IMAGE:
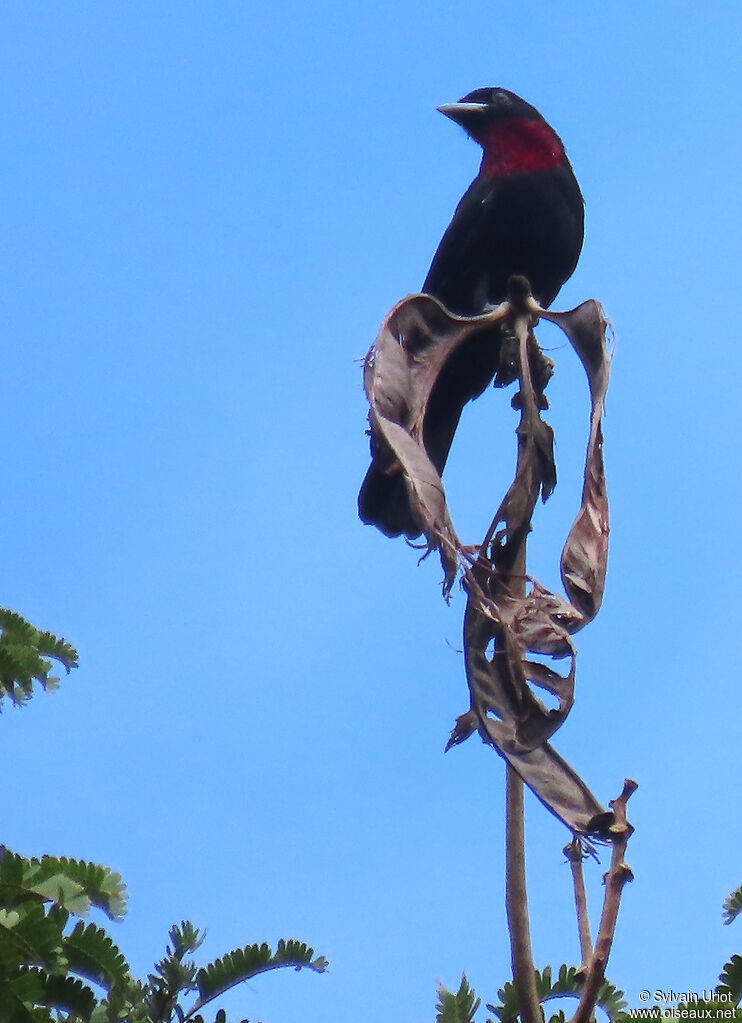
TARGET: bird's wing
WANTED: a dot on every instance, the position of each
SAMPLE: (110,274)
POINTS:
(464,272)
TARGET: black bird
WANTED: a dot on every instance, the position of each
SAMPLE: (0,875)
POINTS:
(522,214)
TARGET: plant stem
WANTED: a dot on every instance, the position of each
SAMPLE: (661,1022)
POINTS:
(516,895)
(573,852)
(618,874)
(516,900)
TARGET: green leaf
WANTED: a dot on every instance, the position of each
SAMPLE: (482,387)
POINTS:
(732,905)
(92,954)
(558,1017)
(68,994)
(76,885)
(32,939)
(290,952)
(185,938)
(18,996)
(11,877)
(24,653)
(459,1007)
(247,962)
(731,979)
(221,1017)
(568,984)
(174,975)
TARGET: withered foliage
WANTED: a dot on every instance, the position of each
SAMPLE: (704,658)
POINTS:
(511,619)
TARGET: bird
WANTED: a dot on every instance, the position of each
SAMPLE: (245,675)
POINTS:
(522,215)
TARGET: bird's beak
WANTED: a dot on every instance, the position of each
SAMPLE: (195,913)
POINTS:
(463,112)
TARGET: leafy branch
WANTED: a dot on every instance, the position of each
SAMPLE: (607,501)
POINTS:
(569,983)
(24,658)
(459,1007)
(43,964)
(731,979)
(50,964)
(732,906)
(175,976)
(57,969)
(245,963)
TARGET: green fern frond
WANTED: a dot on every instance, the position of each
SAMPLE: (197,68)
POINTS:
(291,952)
(28,936)
(221,1017)
(12,867)
(732,906)
(558,1017)
(91,953)
(173,974)
(17,996)
(457,1008)
(76,885)
(567,985)
(37,960)
(171,979)
(247,962)
(69,995)
(24,657)
(731,979)
(611,998)
(185,938)
(231,969)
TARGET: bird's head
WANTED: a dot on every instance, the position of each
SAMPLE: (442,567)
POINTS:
(512,133)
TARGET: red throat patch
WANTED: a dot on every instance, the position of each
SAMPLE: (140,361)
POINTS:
(519,144)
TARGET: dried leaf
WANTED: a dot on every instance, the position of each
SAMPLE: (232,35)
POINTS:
(585,556)
(417,346)
(536,470)
(503,625)
(499,683)
(426,360)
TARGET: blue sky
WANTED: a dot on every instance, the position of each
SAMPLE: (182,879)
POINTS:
(207,209)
